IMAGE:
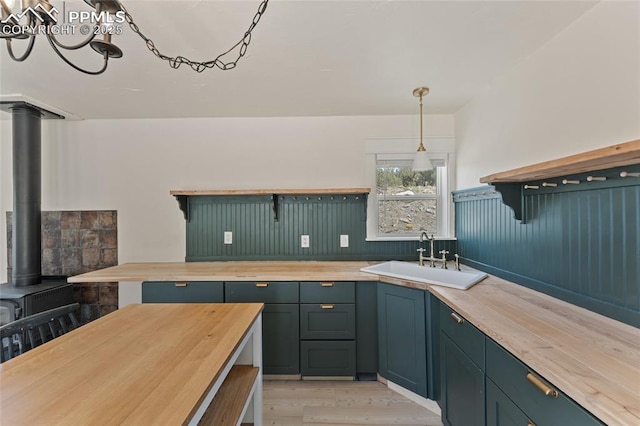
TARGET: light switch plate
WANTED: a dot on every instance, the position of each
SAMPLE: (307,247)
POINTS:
(304,241)
(344,240)
(228,237)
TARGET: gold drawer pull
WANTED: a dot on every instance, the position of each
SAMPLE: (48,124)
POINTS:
(457,318)
(181,284)
(541,385)
(262,284)
(530,423)
(327,284)
(327,306)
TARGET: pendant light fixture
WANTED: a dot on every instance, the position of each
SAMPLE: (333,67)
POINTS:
(421,161)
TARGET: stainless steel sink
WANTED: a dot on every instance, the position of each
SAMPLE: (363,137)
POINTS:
(461,280)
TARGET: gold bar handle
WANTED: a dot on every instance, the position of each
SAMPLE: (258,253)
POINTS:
(457,318)
(327,284)
(327,306)
(542,385)
(530,423)
(262,284)
(181,284)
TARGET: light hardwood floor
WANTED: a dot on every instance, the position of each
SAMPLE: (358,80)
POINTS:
(311,403)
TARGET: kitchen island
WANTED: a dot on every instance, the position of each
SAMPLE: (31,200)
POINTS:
(592,359)
(142,365)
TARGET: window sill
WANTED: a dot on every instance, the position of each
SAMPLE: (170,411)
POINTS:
(407,238)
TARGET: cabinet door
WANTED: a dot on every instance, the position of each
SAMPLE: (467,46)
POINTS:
(280,339)
(366,330)
(501,411)
(183,292)
(462,387)
(402,337)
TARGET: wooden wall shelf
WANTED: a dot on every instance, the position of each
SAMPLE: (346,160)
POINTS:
(182,196)
(510,183)
(322,191)
(604,158)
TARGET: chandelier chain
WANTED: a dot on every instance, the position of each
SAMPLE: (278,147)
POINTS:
(175,62)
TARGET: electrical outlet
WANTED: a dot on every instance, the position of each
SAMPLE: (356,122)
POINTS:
(304,241)
(344,240)
(228,237)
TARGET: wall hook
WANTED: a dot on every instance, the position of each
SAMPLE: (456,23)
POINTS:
(570,182)
(596,178)
(549,184)
(629,174)
(531,187)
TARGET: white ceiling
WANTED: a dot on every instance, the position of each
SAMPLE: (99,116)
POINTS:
(307,58)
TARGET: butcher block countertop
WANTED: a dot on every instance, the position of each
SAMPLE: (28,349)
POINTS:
(145,364)
(591,358)
(230,271)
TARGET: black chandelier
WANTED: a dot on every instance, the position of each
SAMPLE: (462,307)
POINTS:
(40,17)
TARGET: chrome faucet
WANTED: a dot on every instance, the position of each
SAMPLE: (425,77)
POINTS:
(444,254)
(421,250)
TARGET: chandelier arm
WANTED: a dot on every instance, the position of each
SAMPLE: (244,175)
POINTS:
(55,49)
(197,66)
(75,46)
(25,55)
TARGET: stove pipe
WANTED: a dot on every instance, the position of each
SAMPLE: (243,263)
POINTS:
(27,185)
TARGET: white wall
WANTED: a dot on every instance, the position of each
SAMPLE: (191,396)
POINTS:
(580,91)
(130,166)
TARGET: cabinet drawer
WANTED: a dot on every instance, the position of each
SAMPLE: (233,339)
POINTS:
(510,375)
(327,292)
(328,358)
(261,291)
(327,321)
(463,334)
(182,292)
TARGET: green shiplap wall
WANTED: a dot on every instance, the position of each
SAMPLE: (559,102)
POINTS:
(580,243)
(257,236)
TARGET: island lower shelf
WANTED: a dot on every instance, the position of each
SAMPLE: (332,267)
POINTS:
(232,400)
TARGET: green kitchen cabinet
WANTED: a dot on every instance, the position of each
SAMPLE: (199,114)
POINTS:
(182,292)
(367,330)
(501,411)
(327,328)
(280,321)
(328,358)
(402,337)
(461,370)
(280,339)
(532,394)
(327,321)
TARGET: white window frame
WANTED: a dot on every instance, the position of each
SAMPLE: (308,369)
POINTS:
(441,150)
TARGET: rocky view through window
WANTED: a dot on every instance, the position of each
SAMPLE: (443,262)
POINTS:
(407,200)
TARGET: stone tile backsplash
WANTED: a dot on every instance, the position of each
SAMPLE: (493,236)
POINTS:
(75,242)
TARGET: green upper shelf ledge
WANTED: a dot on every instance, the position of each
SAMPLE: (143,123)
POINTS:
(182,196)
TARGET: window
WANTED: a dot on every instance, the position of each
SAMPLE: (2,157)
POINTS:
(404,203)
(407,200)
